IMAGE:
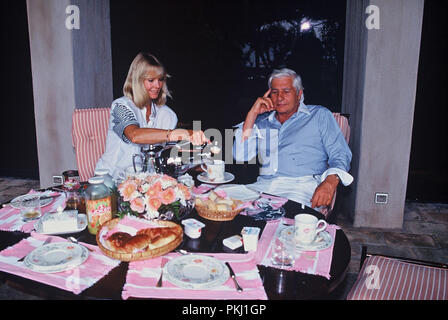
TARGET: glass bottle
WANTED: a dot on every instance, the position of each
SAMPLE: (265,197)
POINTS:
(98,204)
(110,183)
(74,197)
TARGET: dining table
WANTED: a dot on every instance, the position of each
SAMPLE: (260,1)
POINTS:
(278,283)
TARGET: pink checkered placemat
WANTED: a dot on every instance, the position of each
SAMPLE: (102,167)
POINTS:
(311,262)
(75,280)
(11,220)
(143,275)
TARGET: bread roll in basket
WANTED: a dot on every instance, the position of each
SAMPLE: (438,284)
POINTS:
(217,208)
(140,246)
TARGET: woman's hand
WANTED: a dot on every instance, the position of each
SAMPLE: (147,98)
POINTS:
(198,138)
(195,137)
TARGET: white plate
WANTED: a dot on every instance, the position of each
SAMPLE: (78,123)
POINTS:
(82,224)
(197,272)
(323,240)
(227,178)
(239,192)
(17,202)
(56,257)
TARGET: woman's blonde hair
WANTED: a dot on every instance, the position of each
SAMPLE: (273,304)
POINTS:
(145,64)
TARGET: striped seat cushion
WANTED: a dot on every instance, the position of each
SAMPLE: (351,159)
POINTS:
(383,278)
(345,128)
(89,131)
(343,124)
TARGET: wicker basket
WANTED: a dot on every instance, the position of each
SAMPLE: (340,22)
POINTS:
(216,215)
(146,254)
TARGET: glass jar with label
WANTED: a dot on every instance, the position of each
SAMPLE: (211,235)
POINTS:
(110,183)
(98,204)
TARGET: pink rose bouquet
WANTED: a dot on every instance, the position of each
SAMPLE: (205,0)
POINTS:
(153,195)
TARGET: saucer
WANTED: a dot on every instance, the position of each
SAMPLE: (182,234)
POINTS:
(323,240)
(227,178)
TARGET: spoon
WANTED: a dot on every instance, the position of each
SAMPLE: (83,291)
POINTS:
(73,240)
(182,251)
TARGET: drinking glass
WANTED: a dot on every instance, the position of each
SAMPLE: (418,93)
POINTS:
(31,208)
(283,252)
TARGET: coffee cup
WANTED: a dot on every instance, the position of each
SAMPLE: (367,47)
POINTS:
(215,170)
(306,227)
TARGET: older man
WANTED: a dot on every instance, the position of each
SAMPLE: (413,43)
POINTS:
(302,151)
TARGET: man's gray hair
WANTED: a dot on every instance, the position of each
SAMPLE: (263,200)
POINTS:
(285,72)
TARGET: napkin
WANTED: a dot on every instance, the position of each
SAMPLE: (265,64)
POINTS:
(75,280)
(266,207)
(234,191)
(311,262)
(143,275)
(203,188)
(11,220)
(130,225)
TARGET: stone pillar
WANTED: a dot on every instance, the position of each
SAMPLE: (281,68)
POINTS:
(92,55)
(380,79)
(70,68)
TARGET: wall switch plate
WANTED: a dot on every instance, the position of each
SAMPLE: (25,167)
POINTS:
(58,180)
(381,198)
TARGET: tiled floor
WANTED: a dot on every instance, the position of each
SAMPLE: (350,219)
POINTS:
(424,236)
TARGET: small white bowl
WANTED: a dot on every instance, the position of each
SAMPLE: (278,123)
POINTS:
(193,228)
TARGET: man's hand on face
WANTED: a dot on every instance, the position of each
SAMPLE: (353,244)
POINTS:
(263,104)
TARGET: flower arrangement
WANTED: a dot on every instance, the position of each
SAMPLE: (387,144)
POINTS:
(151,195)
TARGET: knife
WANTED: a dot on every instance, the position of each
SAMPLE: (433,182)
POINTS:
(45,197)
(232,274)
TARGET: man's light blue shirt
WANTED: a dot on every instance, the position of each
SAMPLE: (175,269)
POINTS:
(309,143)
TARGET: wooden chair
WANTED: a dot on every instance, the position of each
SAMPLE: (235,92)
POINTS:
(392,278)
(89,131)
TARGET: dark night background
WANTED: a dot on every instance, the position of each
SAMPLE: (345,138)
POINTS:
(219,54)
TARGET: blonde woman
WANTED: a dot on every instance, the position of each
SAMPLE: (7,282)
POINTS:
(141,116)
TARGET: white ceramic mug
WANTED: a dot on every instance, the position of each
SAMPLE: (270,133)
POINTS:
(306,227)
(215,170)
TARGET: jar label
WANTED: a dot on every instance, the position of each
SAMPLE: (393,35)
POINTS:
(98,212)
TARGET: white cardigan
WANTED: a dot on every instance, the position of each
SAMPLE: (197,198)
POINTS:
(118,154)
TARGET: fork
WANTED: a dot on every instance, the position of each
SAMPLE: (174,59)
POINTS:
(47,241)
(162,264)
